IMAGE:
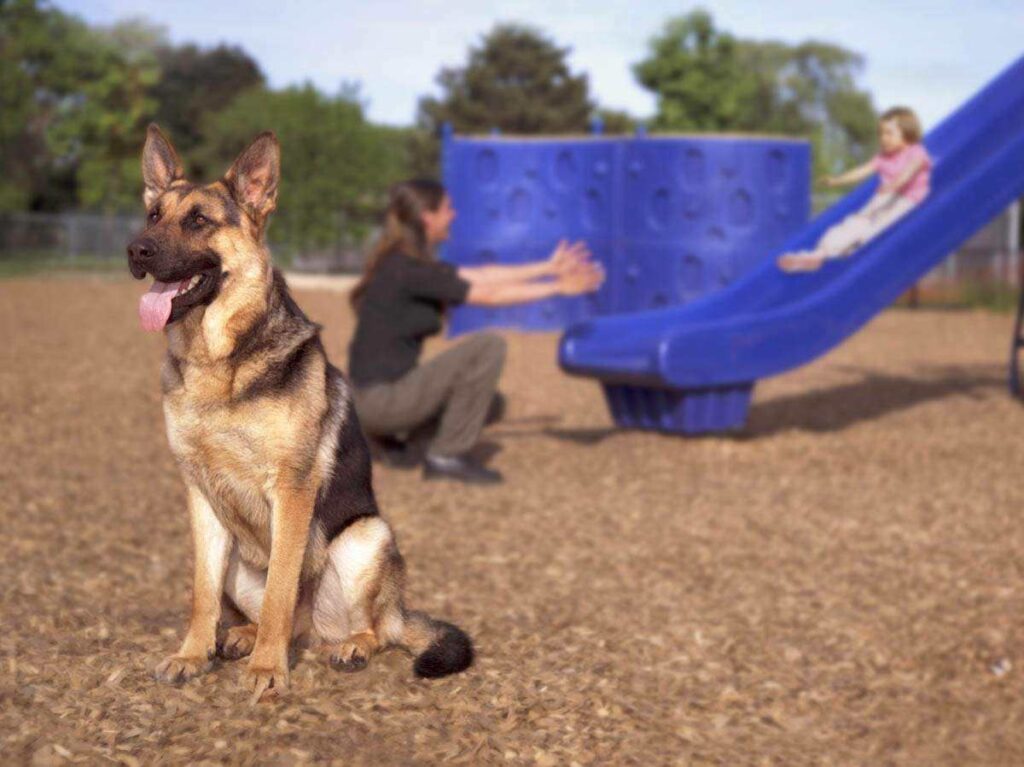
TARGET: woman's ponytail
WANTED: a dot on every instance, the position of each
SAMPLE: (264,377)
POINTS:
(403,229)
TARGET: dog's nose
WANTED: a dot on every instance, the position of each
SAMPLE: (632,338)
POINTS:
(141,249)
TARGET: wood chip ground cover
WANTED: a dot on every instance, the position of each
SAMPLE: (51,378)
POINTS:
(841,585)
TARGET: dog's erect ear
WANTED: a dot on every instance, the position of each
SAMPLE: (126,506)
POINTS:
(254,176)
(160,165)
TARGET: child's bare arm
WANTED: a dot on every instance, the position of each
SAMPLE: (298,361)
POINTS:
(852,176)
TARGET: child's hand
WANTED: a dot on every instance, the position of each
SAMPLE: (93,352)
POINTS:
(831,182)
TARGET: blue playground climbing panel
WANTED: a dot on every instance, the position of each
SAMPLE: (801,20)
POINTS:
(672,218)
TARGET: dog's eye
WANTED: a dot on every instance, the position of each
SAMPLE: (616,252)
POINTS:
(200,219)
(154,216)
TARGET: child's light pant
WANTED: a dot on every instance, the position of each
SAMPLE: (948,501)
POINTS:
(860,227)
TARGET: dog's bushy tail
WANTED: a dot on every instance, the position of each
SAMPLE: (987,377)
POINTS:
(440,648)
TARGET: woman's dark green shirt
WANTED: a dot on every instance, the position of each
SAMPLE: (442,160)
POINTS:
(402,304)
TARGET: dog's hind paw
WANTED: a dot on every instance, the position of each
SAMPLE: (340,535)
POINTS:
(178,669)
(351,655)
(238,642)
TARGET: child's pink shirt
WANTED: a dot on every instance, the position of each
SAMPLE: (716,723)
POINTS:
(891,166)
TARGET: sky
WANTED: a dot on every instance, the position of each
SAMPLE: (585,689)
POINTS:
(930,55)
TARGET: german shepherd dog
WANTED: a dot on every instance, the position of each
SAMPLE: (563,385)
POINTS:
(286,530)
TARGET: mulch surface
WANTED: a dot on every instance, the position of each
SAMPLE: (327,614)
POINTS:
(840,585)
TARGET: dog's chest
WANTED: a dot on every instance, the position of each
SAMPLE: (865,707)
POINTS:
(225,456)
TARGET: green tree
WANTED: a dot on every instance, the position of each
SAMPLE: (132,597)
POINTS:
(516,80)
(19,26)
(706,79)
(40,54)
(98,134)
(818,81)
(335,165)
(195,83)
(697,73)
(616,122)
(72,102)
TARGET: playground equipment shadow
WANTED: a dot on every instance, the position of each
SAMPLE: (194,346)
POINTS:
(873,395)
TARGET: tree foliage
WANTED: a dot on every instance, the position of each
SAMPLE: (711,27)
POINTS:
(75,101)
(195,83)
(517,80)
(616,122)
(335,165)
(98,134)
(72,103)
(23,30)
(697,73)
(706,79)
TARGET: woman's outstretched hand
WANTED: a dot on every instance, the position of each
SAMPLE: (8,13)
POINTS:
(567,256)
(585,277)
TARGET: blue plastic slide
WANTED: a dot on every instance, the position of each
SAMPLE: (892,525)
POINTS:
(692,369)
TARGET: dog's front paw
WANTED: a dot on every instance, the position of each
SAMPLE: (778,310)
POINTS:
(179,668)
(238,642)
(265,681)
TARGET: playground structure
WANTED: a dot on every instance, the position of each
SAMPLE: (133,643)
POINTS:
(694,311)
(692,369)
(671,218)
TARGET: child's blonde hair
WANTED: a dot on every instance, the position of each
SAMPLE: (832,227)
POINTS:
(907,121)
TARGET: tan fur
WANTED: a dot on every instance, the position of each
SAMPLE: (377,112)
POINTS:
(254,465)
(242,457)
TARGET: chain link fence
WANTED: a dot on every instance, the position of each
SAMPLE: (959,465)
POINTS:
(43,241)
(30,242)
(65,237)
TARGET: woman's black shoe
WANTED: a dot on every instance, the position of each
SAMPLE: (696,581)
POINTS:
(460,469)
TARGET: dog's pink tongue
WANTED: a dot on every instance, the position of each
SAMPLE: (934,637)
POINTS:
(155,306)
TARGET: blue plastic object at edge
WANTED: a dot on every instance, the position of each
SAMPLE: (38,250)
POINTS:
(692,369)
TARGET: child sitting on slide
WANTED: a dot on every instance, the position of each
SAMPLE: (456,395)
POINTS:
(905,170)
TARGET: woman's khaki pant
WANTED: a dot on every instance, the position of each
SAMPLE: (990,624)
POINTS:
(458,386)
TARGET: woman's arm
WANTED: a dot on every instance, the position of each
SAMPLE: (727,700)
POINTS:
(563,258)
(853,176)
(585,278)
(509,293)
(492,274)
